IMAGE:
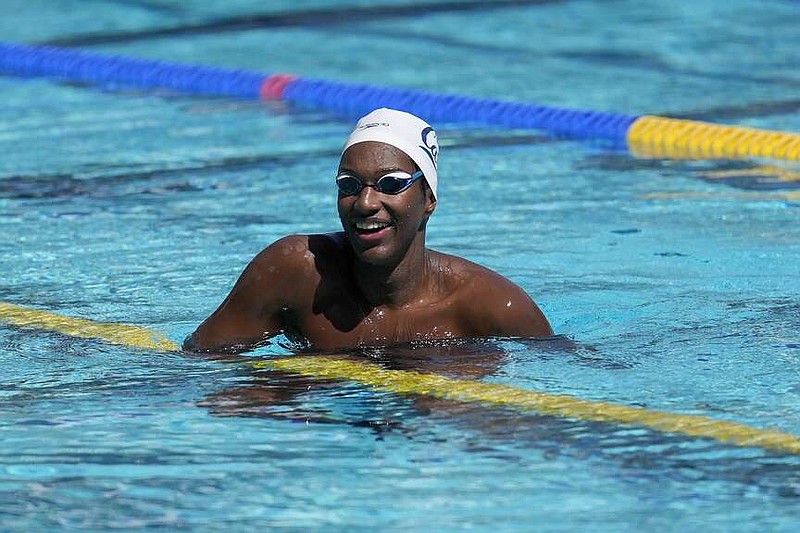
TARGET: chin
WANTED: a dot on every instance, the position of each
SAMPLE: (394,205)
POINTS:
(378,256)
(375,256)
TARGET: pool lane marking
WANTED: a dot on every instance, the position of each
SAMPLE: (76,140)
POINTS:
(124,334)
(418,383)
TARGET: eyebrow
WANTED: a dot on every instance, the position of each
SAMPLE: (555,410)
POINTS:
(381,171)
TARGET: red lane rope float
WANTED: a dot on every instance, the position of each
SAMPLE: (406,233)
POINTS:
(274,86)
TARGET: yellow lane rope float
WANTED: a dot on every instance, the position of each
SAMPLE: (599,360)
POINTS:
(661,137)
(127,335)
(418,383)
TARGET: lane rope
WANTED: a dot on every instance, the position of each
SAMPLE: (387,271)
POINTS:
(467,391)
(644,136)
(669,138)
(406,382)
(124,334)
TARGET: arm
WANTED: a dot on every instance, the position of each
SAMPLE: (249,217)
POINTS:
(253,310)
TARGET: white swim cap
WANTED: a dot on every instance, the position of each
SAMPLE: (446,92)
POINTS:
(406,132)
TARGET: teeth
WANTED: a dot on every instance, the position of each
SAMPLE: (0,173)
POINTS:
(371,225)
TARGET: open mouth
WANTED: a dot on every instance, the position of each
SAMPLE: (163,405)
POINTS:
(370,227)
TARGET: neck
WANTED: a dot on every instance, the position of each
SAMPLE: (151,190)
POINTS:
(397,284)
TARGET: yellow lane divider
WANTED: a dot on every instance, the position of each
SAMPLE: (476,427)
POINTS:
(134,336)
(661,137)
(418,383)
(411,382)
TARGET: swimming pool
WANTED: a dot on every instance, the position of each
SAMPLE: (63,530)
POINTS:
(677,279)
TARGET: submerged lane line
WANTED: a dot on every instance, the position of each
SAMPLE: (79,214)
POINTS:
(418,383)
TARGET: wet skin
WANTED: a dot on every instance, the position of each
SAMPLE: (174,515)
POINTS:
(373,284)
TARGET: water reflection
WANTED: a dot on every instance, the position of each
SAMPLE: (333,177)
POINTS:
(633,454)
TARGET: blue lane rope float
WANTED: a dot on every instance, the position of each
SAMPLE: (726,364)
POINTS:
(405,382)
(100,69)
(645,136)
(355,99)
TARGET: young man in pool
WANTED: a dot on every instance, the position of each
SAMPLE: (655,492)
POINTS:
(375,283)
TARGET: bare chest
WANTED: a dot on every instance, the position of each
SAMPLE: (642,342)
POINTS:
(349,325)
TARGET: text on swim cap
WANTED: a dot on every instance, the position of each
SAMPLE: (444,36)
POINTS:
(372,125)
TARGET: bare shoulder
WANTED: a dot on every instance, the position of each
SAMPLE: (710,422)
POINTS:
(281,278)
(490,303)
(298,257)
(252,310)
(469,277)
(292,249)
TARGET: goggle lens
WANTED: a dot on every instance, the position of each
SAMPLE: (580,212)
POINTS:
(392,183)
(348,185)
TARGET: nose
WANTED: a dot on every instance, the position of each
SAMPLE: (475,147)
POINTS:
(367,201)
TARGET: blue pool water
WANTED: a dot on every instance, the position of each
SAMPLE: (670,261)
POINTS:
(678,280)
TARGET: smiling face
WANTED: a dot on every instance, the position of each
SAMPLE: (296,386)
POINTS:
(382,227)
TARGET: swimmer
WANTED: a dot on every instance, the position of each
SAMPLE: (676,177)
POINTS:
(375,283)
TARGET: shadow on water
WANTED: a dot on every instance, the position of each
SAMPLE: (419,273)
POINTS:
(265,392)
(634,454)
(104,180)
(322,17)
(630,454)
(742,175)
(348,16)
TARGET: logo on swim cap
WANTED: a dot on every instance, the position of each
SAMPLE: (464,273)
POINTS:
(430,144)
(372,125)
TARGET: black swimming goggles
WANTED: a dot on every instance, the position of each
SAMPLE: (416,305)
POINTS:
(391,183)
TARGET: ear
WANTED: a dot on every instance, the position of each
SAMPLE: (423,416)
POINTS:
(430,203)
(430,206)
(430,200)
